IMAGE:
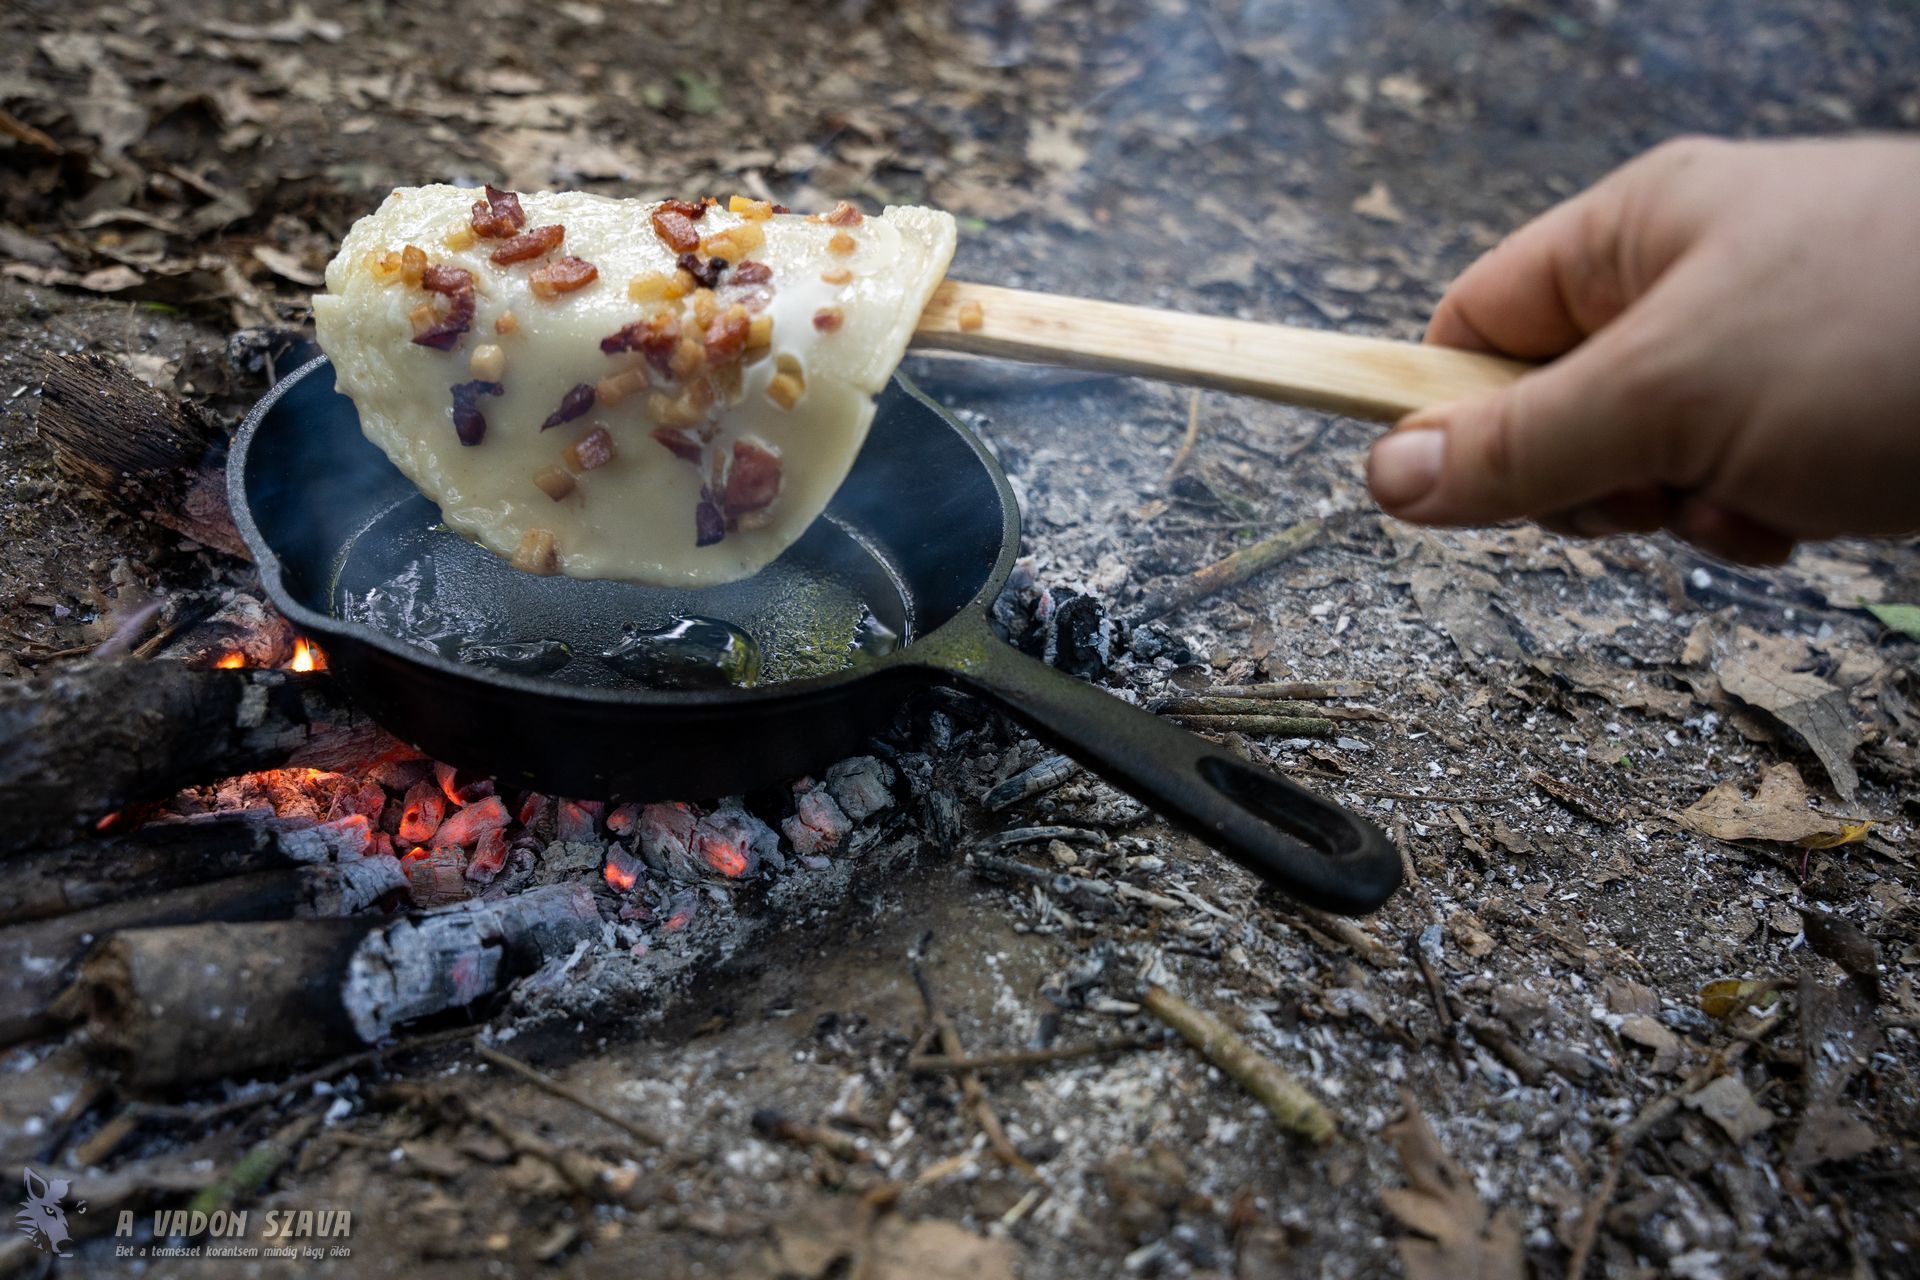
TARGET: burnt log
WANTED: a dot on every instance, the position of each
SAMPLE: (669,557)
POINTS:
(84,741)
(149,453)
(170,1006)
(39,959)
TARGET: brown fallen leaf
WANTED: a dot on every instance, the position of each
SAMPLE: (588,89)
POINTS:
(1776,811)
(1764,672)
(1455,1234)
(288,266)
(1729,1103)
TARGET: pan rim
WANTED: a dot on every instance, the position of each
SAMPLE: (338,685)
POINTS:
(314,624)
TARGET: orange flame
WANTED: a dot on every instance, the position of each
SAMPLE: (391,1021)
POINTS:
(231,661)
(618,880)
(307,655)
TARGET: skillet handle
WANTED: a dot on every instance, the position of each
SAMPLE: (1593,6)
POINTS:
(1307,847)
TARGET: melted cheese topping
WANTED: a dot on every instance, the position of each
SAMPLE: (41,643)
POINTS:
(634,517)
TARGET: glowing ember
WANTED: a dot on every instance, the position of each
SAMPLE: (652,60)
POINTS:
(231,661)
(619,879)
(725,857)
(306,656)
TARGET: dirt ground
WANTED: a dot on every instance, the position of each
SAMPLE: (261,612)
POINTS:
(1551,714)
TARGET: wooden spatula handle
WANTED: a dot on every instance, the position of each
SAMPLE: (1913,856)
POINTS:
(1363,377)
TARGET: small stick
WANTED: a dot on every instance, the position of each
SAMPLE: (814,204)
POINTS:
(1440,1007)
(1186,445)
(1351,936)
(845,1146)
(971,1089)
(1278,726)
(1232,571)
(1030,835)
(547,1084)
(1321,689)
(1297,1110)
(1028,783)
(1211,706)
(1028,1057)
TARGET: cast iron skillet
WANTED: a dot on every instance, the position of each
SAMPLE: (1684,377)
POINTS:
(924,530)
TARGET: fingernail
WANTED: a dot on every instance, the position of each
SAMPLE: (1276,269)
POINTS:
(1406,465)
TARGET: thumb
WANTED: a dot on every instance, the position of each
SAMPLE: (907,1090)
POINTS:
(1558,438)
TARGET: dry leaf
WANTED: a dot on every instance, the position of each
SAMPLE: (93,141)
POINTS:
(1460,601)
(288,266)
(1439,1203)
(1776,811)
(1724,997)
(1378,204)
(1729,1103)
(1761,671)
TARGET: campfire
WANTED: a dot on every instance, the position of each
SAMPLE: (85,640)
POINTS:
(263,837)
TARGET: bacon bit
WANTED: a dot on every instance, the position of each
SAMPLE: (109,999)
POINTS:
(536,553)
(749,272)
(679,442)
(459,238)
(829,319)
(506,322)
(487,362)
(780,208)
(456,285)
(727,335)
(615,387)
(705,274)
(692,210)
(577,401)
(709,526)
(594,449)
(562,275)
(498,216)
(842,243)
(413,265)
(845,214)
(838,275)
(785,390)
(749,208)
(555,482)
(972,316)
(753,481)
(385,266)
(468,422)
(657,337)
(699,394)
(675,228)
(529,244)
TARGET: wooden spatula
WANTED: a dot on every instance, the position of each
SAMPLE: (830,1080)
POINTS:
(1362,377)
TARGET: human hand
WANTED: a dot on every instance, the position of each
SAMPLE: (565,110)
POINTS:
(1737,333)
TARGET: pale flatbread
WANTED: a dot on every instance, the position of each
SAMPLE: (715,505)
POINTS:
(636,516)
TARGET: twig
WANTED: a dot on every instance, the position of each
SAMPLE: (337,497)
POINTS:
(547,1084)
(1350,935)
(844,1146)
(1028,783)
(1031,835)
(1235,569)
(1213,706)
(1028,1057)
(292,1084)
(1644,1123)
(1280,726)
(1297,1110)
(974,1093)
(1438,992)
(1186,445)
(1319,689)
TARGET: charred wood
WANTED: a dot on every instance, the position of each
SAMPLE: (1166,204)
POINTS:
(86,740)
(39,959)
(149,453)
(173,1005)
